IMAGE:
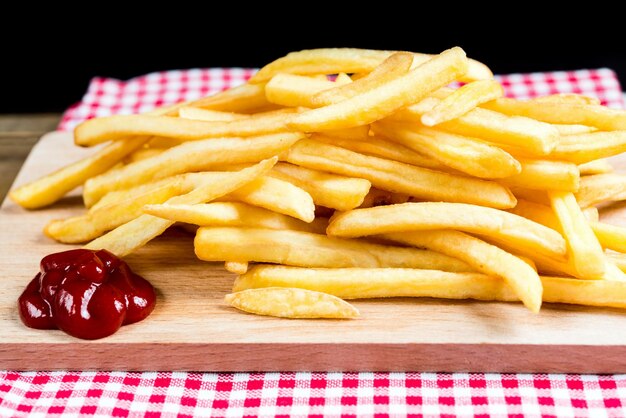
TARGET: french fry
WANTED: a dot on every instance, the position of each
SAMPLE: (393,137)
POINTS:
(600,166)
(232,214)
(237,267)
(197,113)
(460,153)
(380,147)
(398,177)
(534,137)
(565,130)
(193,156)
(276,195)
(567,98)
(84,228)
(347,60)
(132,235)
(385,99)
(619,259)
(601,188)
(595,115)
(95,131)
(489,222)
(295,90)
(391,68)
(463,100)
(584,248)
(362,283)
(610,236)
(299,248)
(52,187)
(330,190)
(484,257)
(142,154)
(360,133)
(584,148)
(291,303)
(537,212)
(545,174)
(247,98)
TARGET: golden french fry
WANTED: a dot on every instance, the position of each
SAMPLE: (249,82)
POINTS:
(385,99)
(295,90)
(567,98)
(584,148)
(237,267)
(95,223)
(534,137)
(493,223)
(380,147)
(132,235)
(463,100)
(565,130)
(391,68)
(484,257)
(193,156)
(360,133)
(143,154)
(232,214)
(537,212)
(610,236)
(246,98)
(291,303)
(198,113)
(326,189)
(300,248)
(600,166)
(546,175)
(398,177)
(52,187)
(95,131)
(584,248)
(595,115)
(118,196)
(619,259)
(600,188)
(458,152)
(348,60)
(362,283)
(276,195)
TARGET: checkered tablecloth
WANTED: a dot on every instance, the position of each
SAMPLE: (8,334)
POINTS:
(307,394)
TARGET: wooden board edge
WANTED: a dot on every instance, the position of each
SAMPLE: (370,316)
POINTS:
(503,358)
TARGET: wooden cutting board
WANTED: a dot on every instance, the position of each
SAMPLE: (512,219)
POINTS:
(191,329)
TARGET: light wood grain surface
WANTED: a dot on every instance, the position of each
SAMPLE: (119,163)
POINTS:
(18,134)
(191,329)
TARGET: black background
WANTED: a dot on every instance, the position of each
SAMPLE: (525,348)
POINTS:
(49,59)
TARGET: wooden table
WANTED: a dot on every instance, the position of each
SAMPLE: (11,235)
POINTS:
(18,134)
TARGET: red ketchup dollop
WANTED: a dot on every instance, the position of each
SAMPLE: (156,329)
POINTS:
(88,294)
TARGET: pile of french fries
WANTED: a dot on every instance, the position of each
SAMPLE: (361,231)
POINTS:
(350,174)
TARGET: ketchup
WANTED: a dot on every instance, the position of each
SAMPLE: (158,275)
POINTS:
(88,294)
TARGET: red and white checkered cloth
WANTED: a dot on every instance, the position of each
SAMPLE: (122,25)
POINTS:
(40,394)
(307,394)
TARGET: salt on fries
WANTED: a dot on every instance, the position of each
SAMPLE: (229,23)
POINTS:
(483,197)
